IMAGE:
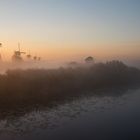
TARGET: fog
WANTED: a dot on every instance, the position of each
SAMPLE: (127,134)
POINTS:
(53,64)
(39,87)
(4,66)
(26,88)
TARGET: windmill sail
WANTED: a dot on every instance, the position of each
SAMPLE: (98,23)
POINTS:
(17,55)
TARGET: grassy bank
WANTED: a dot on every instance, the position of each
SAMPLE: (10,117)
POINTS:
(39,87)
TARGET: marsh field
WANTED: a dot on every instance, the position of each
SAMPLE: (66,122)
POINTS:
(96,101)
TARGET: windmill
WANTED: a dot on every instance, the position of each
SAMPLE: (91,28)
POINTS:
(35,57)
(17,55)
(29,55)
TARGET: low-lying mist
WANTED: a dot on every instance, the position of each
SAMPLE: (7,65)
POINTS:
(4,66)
(42,87)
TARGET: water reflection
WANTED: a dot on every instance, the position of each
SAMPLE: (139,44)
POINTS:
(47,122)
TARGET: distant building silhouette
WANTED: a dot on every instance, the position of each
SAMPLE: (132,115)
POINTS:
(17,55)
(28,56)
(35,57)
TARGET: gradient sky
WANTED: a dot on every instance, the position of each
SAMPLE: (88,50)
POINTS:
(71,29)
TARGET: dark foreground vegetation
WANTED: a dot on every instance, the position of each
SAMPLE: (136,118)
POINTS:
(25,89)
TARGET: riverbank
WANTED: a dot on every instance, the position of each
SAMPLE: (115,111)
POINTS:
(23,90)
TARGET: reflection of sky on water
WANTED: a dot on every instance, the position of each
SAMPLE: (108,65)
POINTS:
(83,111)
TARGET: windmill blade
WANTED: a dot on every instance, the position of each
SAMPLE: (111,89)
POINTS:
(19,47)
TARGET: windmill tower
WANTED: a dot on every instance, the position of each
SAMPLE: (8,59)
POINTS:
(29,56)
(35,57)
(17,55)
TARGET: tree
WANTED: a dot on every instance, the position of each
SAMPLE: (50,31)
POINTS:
(89,59)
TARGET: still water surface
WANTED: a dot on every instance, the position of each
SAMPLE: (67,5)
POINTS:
(95,116)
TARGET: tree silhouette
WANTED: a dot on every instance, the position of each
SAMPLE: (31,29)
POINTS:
(89,59)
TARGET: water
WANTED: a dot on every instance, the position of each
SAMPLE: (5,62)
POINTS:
(95,116)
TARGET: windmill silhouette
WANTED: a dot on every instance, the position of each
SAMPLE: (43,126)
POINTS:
(17,55)
(29,56)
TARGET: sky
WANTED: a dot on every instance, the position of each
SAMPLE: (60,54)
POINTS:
(71,29)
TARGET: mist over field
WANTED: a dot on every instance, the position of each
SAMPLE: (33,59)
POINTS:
(29,96)
(69,69)
(76,99)
(30,87)
(52,64)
